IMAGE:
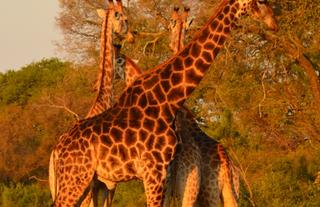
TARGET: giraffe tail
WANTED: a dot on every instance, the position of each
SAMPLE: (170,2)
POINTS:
(235,179)
(52,176)
(229,179)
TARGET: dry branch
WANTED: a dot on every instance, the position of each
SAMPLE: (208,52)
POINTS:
(76,116)
(148,34)
(152,43)
(264,92)
(38,179)
(60,106)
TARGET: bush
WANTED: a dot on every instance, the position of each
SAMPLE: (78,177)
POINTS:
(130,194)
(20,195)
(18,86)
(282,180)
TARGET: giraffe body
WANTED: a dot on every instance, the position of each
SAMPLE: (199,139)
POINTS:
(202,174)
(135,138)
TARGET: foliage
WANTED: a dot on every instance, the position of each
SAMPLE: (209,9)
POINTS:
(32,115)
(24,196)
(130,194)
(18,86)
(280,178)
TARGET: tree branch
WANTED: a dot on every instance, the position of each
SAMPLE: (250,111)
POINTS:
(295,52)
(242,172)
(264,93)
(148,34)
(76,116)
(63,106)
(38,179)
(153,43)
(82,34)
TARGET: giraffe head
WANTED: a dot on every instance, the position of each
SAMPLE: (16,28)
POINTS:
(180,20)
(258,9)
(174,18)
(115,14)
(263,11)
(179,24)
(186,19)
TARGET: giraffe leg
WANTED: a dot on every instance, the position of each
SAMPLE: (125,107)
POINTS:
(91,199)
(108,197)
(52,176)
(190,189)
(229,188)
(73,188)
(87,201)
(188,175)
(169,200)
(210,189)
(154,187)
(209,195)
(108,189)
(154,181)
(95,191)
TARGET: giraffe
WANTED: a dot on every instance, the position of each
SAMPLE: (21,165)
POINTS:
(135,138)
(132,71)
(191,173)
(119,62)
(114,22)
(203,174)
(225,179)
(104,85)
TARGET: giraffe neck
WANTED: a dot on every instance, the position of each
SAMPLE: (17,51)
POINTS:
(132,71)
(196,58)
(126,66)
(177,37)
(104,96)
(172,82)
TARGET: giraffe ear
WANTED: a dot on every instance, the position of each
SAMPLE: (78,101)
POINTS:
(111,4)
(186,9)
(119,4)
(101,13)
(176,8)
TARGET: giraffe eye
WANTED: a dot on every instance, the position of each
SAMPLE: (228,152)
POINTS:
(117,15)
(262,1)
(173,22)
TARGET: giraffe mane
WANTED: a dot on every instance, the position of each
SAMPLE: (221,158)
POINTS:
(99,81)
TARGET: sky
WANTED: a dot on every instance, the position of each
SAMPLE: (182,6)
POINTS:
(27,32)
